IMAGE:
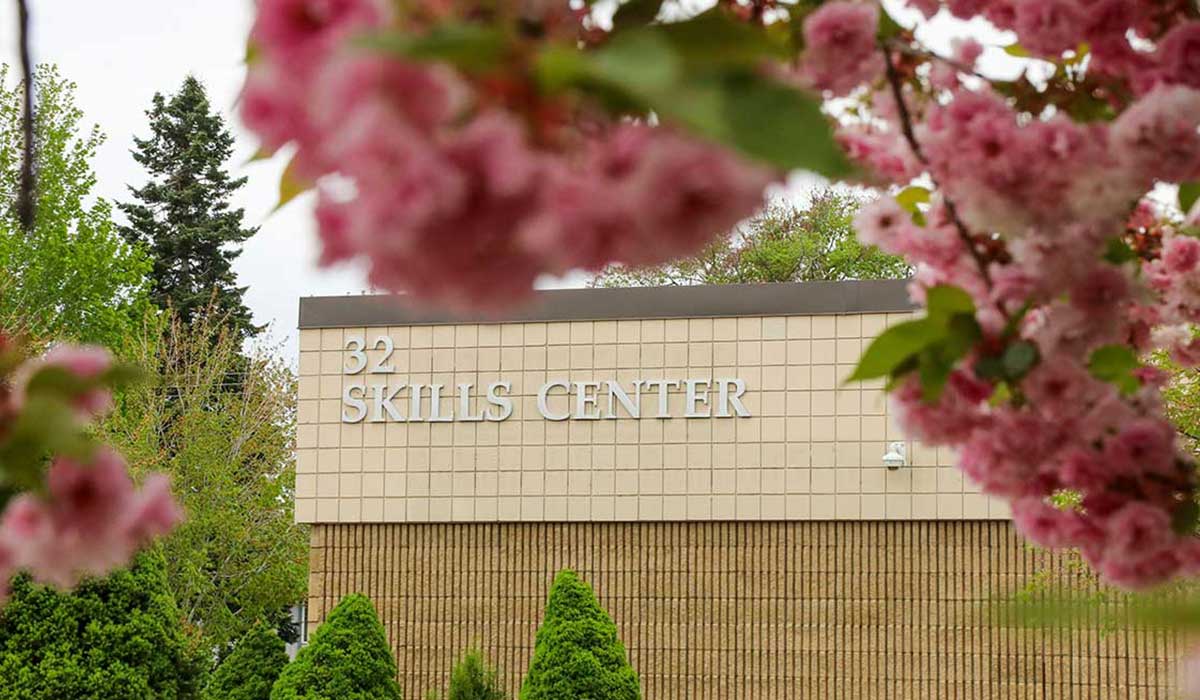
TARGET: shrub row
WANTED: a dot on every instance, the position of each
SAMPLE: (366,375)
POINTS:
(577,657)
(122,638)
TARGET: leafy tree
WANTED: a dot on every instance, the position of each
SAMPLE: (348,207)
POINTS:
(238,557)
(472,679)
(73,278)
(578,655)
(113,638)
(347,658)
(249,672)
(782,244)
(183,214)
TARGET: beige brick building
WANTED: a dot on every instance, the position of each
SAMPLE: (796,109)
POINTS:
(694,453)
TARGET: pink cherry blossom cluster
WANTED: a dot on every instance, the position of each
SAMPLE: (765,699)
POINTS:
(90,518)
(1025,212)
(457,192)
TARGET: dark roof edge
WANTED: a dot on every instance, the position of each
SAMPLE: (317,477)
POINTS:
(701,301)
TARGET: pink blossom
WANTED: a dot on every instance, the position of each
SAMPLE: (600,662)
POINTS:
(85,362)
(1060,387)
(1179,55)
(299,32)
(928,8)
(1048,27)
(880,222)
(840,52)
(1082,470)
(1160,134)
(92,520)
(1142,445)
(954,416)
(1045,525)
(884,154)
(1142,571)
(271,106)
(1181,254)
(689,193)
(1101,292)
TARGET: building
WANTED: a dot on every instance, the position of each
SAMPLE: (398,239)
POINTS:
(693,453)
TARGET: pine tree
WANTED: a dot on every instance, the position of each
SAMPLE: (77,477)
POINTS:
(113,638)
(251,669)
(578,655)
(347,658)
(183,214)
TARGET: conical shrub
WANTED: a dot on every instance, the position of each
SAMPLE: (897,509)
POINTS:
(578,655)
(471,679)
(251,669)
(348,658)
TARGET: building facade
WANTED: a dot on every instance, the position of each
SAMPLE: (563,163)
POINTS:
(756,527)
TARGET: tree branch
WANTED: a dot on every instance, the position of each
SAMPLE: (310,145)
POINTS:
(25,193)
(906,128)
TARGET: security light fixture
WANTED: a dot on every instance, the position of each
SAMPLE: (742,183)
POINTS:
(894,458)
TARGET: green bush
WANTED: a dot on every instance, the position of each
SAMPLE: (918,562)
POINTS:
(251,669)
(471,679)
(348,658)
(113,638)
(578,655)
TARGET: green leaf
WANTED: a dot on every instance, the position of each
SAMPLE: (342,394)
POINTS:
(945,301)
(889,28)
(1189,193)
(642,63)
(895,346)
(470,47)
(1118,251)
(635,13)
(1115,364)
(1185,518)
(1017,50)
(767,121)
(1018,359)
(715,39)
(291,185)
(909,197)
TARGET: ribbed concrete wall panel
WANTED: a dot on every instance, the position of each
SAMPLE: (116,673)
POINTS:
(725,610)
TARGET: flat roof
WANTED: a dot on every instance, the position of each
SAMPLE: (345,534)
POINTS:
(602,304)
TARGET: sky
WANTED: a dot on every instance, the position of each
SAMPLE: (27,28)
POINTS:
(123,51)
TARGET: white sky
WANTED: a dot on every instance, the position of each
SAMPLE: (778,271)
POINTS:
(120,53)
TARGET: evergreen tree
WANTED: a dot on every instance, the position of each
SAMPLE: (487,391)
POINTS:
(113,638)
(183,215)
(472,679)
(348,658)
(251,669)
(578,655)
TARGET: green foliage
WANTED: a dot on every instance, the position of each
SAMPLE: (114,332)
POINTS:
(930,346)
(700,73)
(471,679)
(73,278)
(115,638)
(1189,194)
(578,655)
(347,658)
(782,244)
(249,672)
(222,425)
(183,215)
(1115,364)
